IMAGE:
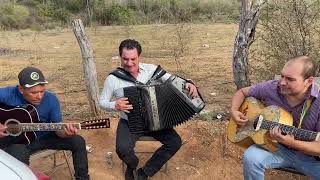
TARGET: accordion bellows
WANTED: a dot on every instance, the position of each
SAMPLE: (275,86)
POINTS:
(160,106)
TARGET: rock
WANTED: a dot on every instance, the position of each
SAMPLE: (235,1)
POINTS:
(115,57)
(213,94)
(205,45)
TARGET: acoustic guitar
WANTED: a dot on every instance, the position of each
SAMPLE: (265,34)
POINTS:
(262,119)
(22,122)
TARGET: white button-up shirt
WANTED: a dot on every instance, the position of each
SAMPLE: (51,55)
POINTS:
(112,85)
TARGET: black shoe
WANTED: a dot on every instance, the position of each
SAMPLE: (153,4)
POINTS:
(141,175)
(128,175)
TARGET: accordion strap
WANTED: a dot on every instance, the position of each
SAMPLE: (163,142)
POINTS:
(125,75)
(158,73)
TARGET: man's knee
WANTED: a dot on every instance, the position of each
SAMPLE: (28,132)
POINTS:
(122,150)
(19,151)
(175,144)
(78,142)
(249,159)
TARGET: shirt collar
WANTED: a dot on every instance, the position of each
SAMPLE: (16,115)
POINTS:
(141,67)
(314,89)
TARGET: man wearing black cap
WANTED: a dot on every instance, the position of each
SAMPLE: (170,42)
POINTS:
(32,90)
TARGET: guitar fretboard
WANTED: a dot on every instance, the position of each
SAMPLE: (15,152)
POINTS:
(25,127)
(300,134)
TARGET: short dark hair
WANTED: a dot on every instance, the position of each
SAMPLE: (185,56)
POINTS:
(309,66)
(130,44)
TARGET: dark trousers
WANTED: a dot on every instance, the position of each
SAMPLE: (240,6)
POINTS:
(76,144)
(125,143)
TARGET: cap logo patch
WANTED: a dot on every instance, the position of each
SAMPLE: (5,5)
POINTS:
(34,76)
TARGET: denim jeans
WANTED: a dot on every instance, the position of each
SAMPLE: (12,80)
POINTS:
(76,144)
(257,159)
(125,143)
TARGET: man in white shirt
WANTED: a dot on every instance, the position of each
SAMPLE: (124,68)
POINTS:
(130,51)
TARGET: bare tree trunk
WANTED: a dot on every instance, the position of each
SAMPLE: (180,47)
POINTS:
(245,37)
(88,66)
(89,12)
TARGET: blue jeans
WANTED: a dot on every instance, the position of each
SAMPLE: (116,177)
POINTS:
(256,160)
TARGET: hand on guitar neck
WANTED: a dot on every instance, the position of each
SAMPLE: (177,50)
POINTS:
(281,137)
(68,130)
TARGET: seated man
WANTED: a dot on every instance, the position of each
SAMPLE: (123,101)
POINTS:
(32,90)
(292,92)
(130,51)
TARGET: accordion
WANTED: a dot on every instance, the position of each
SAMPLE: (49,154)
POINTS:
(160,105)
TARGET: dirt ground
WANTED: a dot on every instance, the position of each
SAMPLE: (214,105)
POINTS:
(202,52)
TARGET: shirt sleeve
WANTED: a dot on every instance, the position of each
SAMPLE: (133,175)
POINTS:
(5,95)
(2,95)
(318,125)
(55,113)
(263,90)
(106,95)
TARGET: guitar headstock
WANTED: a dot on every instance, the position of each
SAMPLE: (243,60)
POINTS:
(96,123)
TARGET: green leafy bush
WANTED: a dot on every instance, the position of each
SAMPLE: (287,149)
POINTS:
(13,16)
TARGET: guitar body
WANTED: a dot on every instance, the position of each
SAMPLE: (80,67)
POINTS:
(25,114)
(247,135)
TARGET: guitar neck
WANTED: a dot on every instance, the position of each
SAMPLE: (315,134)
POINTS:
(26,127)
(300,134)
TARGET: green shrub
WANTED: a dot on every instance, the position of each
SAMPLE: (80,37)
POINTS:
(220,11)
(287,29)
(124,12)
(116,14)
(13,16)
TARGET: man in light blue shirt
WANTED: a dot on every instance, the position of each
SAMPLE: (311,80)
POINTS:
(141,73)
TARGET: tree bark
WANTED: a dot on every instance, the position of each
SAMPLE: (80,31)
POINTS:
(89,67)
(247,27)
(89,12)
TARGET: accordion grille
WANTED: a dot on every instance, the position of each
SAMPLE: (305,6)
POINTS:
(173,108)
(160,106)
(137,120)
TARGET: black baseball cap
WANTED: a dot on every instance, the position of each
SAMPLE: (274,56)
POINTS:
(31,76)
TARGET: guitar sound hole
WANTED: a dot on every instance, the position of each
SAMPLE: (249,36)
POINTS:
(13,128)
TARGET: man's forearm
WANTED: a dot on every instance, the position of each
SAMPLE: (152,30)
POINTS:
(310,148)
(237,100)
